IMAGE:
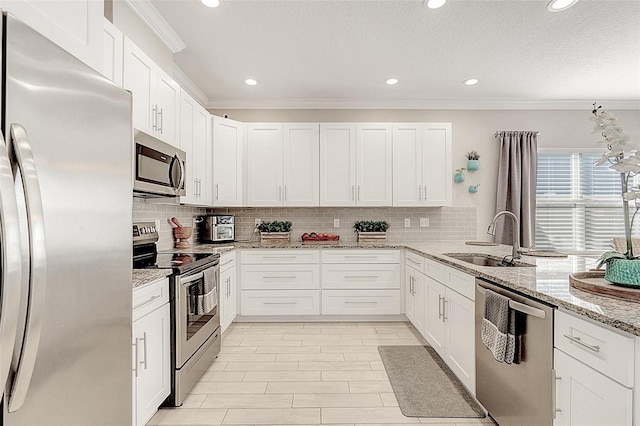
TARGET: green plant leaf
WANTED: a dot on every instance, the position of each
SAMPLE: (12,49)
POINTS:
(371,226)
(608,256)
(275,226)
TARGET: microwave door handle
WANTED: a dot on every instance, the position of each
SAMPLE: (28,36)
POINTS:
(20,147)
(11,264)
(182,174)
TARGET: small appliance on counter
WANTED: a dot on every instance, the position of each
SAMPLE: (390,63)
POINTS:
(217,228)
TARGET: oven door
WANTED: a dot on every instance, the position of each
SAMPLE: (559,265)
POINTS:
(223,233)
(193,327)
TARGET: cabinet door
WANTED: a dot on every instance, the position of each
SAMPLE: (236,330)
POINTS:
(139,78)
(419,300)
(337,164)
(76,26)
(301,164)
(409,299)
(202,155)
(227,162)
(460,332)
(434,330)
(373,164)
(153,367)
(436,164)
(407,164)
(586,397)
(167,108)
(112,53)
(265,174)
(188,108)
(228,296)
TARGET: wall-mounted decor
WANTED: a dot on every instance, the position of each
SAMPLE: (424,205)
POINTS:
(459,176)
(474,188)
(473,163)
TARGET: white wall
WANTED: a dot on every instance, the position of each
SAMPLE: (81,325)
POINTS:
(472,129)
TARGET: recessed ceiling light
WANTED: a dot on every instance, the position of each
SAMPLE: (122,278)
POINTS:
(211,3)
(251,82)
(470,82)
(435,4)
(391,81)
(559,5)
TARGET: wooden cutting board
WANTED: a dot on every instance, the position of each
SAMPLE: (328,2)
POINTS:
(594,282)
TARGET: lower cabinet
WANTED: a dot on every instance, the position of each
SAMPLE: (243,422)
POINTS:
(151,350)
(415,307)
(434,318)
(459,337)
(228,290)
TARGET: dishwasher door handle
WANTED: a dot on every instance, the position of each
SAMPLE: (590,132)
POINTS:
(521,307)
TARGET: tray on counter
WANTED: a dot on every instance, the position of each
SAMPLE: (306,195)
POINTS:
(594,282)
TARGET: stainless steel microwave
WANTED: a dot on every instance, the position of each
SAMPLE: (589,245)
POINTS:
(159,168)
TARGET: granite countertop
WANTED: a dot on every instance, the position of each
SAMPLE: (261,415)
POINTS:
(146,276)
(548,281)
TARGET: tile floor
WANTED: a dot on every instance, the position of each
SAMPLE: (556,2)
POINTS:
(300,374)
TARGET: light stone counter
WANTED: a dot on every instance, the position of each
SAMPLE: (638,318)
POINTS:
(145,276)
(548,281)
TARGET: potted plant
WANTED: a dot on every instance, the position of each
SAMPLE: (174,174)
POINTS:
(274,232)
(459,176)
(473,163)
(371,231)
(622,268)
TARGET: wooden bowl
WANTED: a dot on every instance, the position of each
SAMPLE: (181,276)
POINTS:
(183,233)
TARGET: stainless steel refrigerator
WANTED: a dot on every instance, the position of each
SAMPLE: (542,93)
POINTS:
(65,238)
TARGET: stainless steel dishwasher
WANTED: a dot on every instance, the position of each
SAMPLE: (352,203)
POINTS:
(517,394)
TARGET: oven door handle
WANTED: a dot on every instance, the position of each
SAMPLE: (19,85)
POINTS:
(190,278)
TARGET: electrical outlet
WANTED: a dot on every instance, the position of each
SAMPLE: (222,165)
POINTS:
(424,222)
(407,223)
(336,223)
(258,222)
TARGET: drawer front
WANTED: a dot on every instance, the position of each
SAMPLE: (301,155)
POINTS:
(150,297)
(360,256)
(435,270)
(360,276)
(364,302)
(280,302)
(227,261)
(266,257)
(604,350)
(280,277)
(460,282)
(414,261)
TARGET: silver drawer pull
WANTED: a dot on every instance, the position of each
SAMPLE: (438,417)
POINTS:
(581,343)
(279,303)
(292,277)
(361,303)
(147,302)
(413,261)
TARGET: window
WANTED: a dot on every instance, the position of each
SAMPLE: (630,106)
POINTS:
(578,205)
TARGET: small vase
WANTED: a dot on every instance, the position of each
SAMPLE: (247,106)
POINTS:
(473,188)
(458,177)
(623,272)
(473,165)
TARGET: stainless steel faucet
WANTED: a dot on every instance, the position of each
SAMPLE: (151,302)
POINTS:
(491,230)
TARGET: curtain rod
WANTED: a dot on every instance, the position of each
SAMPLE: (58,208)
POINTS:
(498,133)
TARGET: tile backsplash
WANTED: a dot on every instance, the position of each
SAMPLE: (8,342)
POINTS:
(445,223)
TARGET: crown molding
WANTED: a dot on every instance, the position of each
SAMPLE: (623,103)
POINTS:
(150,15)
(187,84)
(487,104)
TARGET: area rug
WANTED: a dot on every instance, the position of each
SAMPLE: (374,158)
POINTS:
(424,386)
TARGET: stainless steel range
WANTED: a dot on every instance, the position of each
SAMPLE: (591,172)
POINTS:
(195,315)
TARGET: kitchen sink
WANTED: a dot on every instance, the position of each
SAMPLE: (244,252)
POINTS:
(488,260)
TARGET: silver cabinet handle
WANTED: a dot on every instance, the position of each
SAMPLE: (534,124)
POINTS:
(579,341)
(21,148)
(199,187)
(161,127)
(147,302)
(229,286)
(195,188)
(135,359)
(425,192)
(554,393)
(285,192)
(419,192)
(217,191)
(353,192)
(444,309)
(154,123)
(11,264)
(413,261)
(440,307)
(144,349)
(358,192)
(411,285)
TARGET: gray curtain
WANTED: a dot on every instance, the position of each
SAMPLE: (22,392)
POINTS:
(517,185)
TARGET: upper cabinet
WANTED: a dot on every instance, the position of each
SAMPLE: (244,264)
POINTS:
(283,164)
(422,164)
(227,162)
(156,97)
(76,26)
(112,52)
(355,164)
(195,140)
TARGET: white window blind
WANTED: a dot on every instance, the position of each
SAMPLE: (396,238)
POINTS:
(578,205)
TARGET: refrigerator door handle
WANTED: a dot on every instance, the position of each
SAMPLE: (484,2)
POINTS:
(20,149)
(11,264)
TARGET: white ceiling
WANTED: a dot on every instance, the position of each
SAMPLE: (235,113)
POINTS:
(337,54)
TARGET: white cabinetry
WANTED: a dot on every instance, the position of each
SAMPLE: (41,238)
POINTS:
(156,97)
(280,282)
(76,26)
(151,349)
(227,162)
(373,164)
(594,369)
(415,297)
(195,140)
(112,52)
(283,165)
(422,164)
(228,287)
